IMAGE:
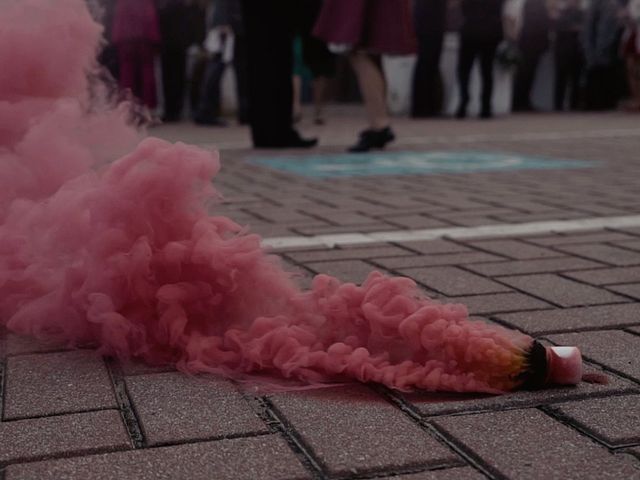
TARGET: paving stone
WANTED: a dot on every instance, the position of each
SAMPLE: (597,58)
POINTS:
(521,267)
(613,420)
(633,245)
(20,345)
(330,229)
(348,270)
(631,290)
(499,302)
(174,407)
(568,319)
(429,260)
(614,349)
(351,430)
(264,457)
(53,383)
(140,368)
(67,435)
(458,473)
(530,444)
(347,254)
(607,276)
(515,249)
(453,281)
(415,222)
(561,291)
(592,237)
(429,403)
(605,253)
(432,247)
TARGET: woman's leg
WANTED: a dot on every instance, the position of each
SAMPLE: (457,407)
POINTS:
(319,92)
(372,88)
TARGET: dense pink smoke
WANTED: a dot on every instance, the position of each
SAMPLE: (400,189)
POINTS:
(116,250)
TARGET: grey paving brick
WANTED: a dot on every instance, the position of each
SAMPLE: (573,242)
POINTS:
(348,270)
(568,319)
(174,407)
(499,302)
(453,281)
(139,368)
(415,221)
(347,254)
(265,457)
(20,345)
(53,383)
(429,404)
(75,434)
(591,237)
(613,420)
(458,473)
(631,290)
(561,291)
(515,249)
(432,247)
(605,253)
(614,349)
(329,229)
(351,430)
(607,276)
(530,444)
(521,267)
(462,258)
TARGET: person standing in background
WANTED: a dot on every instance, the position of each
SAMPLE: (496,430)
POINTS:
(631,52)
(269,29)
(315,56)
(177,36)
(429,18)
(226,24)
(601,40)
(136,36)
(364,30)
(533,41)
(480,34)
(567,19)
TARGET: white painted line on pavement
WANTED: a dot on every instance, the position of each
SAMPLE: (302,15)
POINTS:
(495,231)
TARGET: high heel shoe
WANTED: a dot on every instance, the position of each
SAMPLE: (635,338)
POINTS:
(372,139)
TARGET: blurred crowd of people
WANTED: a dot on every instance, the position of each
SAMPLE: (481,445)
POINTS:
(272,44)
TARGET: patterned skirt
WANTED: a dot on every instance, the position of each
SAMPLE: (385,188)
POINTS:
(377,26)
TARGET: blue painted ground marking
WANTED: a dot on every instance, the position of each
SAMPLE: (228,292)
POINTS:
(410,163)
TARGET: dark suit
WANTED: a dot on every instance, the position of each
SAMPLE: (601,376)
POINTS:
(269,29)
(177,22)
(480,34)
(429,21)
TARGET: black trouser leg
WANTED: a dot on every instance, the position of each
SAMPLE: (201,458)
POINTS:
(525,77)
(466,57)
(209,103)
(487,56)
(173,81)
(269,33)
(426,77)
(242,80)
(561,76)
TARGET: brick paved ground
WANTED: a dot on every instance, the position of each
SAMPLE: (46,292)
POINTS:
(75,415)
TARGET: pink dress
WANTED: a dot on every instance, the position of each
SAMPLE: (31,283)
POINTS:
(378,26)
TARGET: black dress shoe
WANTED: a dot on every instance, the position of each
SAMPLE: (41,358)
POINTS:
(372,139)
(296,141)
(461,112)
(486,113)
